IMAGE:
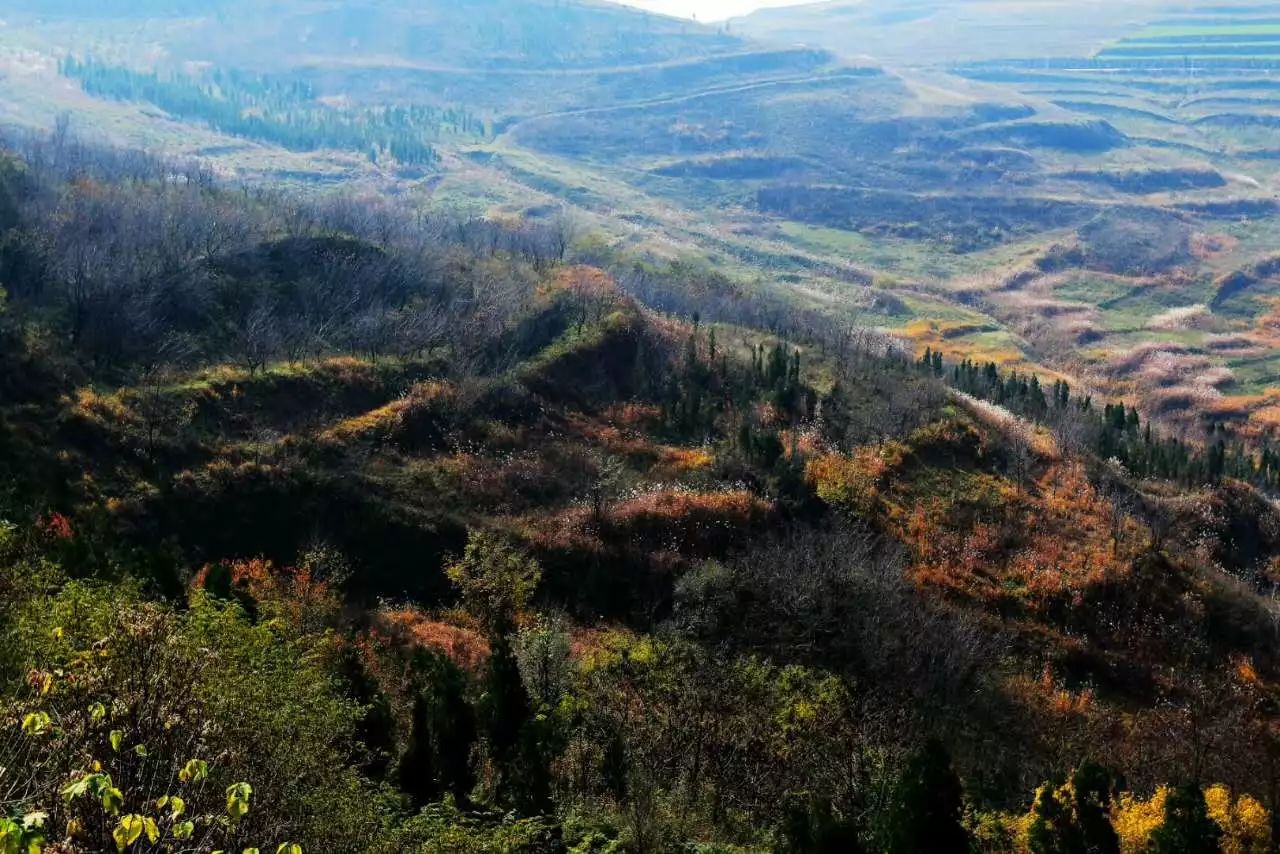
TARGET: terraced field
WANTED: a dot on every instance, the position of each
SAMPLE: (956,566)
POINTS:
(1171,311)
(1224,36)
(1082,193)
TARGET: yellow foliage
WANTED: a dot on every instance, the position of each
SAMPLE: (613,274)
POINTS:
(378,421)
(854,482)
(101,408)
(1135,820)
(381,422)
(686,459)
(1245,823)
(1000,832)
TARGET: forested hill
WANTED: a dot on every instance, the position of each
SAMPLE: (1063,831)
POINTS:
(331,527)
(472,35)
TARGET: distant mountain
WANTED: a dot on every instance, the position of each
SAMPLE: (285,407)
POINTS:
(937,32)
(477,34)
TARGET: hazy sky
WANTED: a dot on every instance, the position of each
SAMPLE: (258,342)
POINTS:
(708,10)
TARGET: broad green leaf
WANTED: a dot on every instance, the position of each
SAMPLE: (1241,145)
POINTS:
(238,795)
(112,800)
(150,828)
(88,784)
(36,723)
(252,851)
(116,737)
(128,831)
(184,830)
(177,805)
(10,836)
(141,750)
(289,848)
(195,771)
(97,713)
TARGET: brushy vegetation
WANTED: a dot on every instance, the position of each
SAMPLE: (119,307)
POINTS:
(330,529)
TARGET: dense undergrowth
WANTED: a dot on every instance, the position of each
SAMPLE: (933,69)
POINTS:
(327,527)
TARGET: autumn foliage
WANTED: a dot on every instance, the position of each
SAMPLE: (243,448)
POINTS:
(683,521)
(972,528)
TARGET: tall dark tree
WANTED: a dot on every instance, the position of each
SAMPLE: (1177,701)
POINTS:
(507,713)
(1187,827)
(811,827)
(418,776)
(1054,829)
(454,725)
(1094,788)
(927,811)
(376,728)
(438,758)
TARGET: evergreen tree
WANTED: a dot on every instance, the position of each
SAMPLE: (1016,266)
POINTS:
(927,809)
(377,727)
(811,827)
(516,737)
(418,775)
(1094,788)
(454,724)
(1053,829)
(1187,827)
(438,757)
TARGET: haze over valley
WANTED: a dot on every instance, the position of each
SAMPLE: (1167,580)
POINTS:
(965,191)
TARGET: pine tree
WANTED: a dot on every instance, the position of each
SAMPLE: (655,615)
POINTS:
(438,757)
(927,809)
(1187,827)
(1053,829)
(455,732)
(376,728)
(516,737)
(1094,788)
(419,778)
(811,827)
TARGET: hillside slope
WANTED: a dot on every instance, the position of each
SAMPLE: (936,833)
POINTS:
(447,531)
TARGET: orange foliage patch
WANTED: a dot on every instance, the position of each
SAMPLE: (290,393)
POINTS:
(855,482)
(633,415)
(412,627)
(674,521)
(295,594)
(661,462)
(1056,544)
(977,533)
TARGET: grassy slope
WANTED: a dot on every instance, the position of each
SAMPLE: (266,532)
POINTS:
(556,144)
